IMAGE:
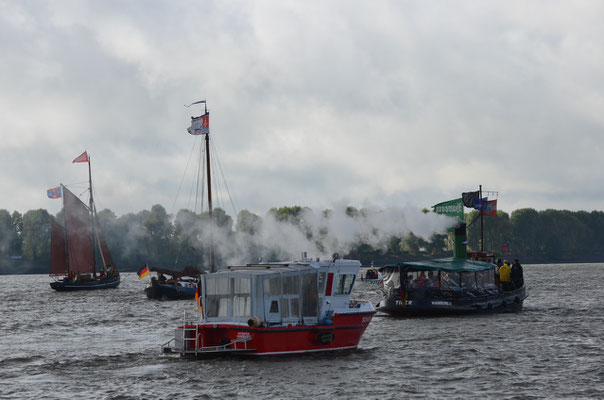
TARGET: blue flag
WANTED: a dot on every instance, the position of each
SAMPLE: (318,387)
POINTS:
(478,203)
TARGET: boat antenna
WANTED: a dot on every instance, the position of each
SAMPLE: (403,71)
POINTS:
(481,221)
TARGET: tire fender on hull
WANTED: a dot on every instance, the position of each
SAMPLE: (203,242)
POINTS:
(325,337)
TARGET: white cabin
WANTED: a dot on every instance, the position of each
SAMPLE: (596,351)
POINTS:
(292,293)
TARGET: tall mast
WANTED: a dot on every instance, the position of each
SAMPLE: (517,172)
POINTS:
(68,270)
(481,229)
(212,263)
(92,224)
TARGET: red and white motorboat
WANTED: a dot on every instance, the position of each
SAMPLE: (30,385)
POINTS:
(276,308)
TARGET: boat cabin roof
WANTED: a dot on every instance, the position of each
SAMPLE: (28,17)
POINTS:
(282,267)
(450,264)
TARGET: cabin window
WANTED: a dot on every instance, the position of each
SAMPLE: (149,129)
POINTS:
(310,304)
(322,281)
(274,307)
(217,297)
(344,283)
(294,307)
(242,306)
(485,279)
(285,312)
(272,286)
(291,284)
(468,280)
(290,302)
(449,281)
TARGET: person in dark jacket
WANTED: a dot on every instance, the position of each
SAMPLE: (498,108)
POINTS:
(517,274)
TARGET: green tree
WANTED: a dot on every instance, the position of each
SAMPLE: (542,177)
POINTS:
(36,235)
(412,244)
(248,222)
(525,231)
(187,238)
(16,245)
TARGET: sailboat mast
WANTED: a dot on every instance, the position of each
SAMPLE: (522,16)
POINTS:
(212,262)
(92,225)
(67,269)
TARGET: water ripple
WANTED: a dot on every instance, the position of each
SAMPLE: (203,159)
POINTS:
(106,345)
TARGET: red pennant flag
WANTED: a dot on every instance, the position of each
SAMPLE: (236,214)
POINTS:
(81,158)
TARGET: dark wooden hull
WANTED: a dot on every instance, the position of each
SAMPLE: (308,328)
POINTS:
(431,303)
(163,291)
(93,284)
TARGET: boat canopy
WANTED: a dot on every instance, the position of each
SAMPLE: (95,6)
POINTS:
(450,264)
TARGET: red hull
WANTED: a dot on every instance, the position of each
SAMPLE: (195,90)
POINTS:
(344,333)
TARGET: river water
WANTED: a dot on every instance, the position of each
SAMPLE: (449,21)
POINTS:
(106,344)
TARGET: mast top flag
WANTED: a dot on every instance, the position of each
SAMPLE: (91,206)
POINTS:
(81,158)
(201,126)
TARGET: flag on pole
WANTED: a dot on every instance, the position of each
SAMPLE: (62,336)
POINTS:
(144,271)
(54,193)
(489,208)
(200,125)
(81,158)
(479,203)
(469,197)
(452,208)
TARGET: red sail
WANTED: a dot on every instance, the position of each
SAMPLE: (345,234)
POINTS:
(78,226)
(58,262)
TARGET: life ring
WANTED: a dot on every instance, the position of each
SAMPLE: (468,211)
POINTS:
(325,337)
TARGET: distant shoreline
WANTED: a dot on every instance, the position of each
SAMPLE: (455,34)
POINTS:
(40,270)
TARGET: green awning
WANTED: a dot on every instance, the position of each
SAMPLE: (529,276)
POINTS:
(443,264)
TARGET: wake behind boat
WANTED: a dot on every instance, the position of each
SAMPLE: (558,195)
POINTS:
(276,308)
(77,246)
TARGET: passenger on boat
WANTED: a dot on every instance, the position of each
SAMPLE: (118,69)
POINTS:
(421,279)
(504,275)
(161,277)
(432,279)
(517,274)
(102,273)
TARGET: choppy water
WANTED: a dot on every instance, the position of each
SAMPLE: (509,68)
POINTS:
(106,344)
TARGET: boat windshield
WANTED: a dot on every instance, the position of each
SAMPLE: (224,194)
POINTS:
(344,283)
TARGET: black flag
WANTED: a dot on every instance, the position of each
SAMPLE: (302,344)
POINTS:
(469,197)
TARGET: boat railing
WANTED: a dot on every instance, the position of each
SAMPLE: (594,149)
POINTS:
(189,340)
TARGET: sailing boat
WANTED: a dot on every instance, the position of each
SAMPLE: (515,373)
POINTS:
(178,288)
(76,245)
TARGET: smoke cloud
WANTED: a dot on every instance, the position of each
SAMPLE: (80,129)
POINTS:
(322,234)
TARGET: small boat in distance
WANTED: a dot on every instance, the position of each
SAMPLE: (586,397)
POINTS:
(292,307)
(455,285)
(77,246)
(177,287)
(372,276)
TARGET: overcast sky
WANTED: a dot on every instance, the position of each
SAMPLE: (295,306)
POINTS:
(313,103)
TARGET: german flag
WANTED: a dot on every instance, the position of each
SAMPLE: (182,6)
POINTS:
(144,271)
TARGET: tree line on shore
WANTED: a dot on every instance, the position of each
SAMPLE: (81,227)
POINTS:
(154,237)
